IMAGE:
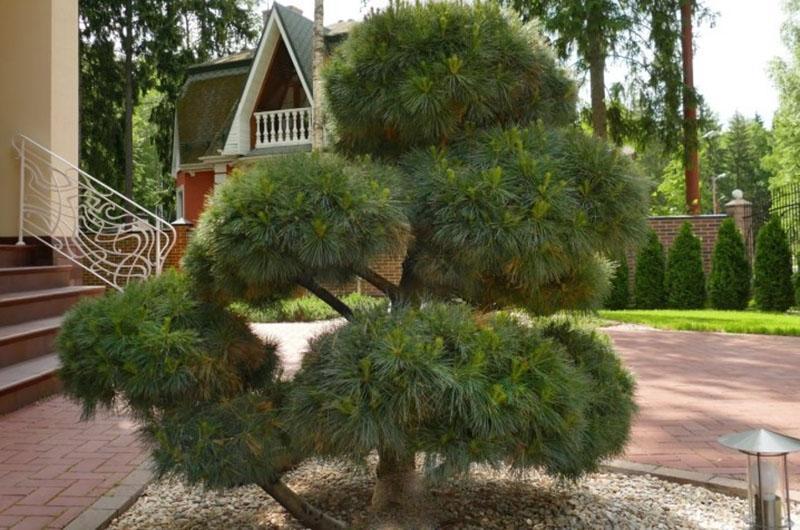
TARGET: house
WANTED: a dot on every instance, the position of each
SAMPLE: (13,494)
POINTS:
(245,106)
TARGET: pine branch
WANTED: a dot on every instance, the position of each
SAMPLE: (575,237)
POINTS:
(307,514)
(326,296)
(391,290)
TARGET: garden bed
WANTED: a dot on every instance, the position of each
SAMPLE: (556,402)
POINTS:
(489,499)
(710,320)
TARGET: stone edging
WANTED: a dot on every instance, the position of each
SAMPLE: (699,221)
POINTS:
(115,501)
(719,483)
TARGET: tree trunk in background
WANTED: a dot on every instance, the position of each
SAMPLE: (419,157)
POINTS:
(691,160)
(397,498)
(318,129)
(597,81)
(128,134)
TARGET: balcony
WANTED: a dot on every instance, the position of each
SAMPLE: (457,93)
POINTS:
(277,128)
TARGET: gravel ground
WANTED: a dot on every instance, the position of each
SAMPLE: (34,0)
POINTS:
(488,499)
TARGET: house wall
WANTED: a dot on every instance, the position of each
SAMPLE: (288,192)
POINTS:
(196,187)
(38,90)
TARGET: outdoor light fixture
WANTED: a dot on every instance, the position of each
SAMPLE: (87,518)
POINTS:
(767,476)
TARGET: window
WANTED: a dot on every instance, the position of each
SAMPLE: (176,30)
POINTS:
(179,209)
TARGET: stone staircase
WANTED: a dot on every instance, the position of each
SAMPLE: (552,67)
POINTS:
(34,295)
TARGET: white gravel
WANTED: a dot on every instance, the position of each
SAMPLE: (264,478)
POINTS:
(487,499)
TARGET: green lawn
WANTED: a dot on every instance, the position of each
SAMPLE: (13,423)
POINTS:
(711,320)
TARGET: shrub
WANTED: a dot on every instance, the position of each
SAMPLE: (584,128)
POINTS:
(619,297)
(304,308)
(797,288)
(772,279)
(729,281)
(685,280)
(648,290)
(494,211)
(414,76)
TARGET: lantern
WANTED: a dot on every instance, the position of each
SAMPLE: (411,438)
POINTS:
(767,476)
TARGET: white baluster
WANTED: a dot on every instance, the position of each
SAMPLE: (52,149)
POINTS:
(298,123)
(290,119)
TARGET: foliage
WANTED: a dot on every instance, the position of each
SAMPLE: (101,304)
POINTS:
(289,219)
(205,389)
(729,281)
(519,216)
(772,269)
(619,296)
(153,188)
(684,279)
(649,288)
(796,280)
(305,308)
(166,36)
(710,320)
(418,75)
(462,388)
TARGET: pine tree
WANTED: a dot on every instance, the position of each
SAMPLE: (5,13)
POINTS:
(772,278)
(729,282)
(684,279)
(649,288)
(619,297)
(495,211)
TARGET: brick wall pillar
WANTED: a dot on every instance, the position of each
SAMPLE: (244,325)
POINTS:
(741,210)
(183,230)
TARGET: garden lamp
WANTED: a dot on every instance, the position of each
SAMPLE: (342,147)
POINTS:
(767,476)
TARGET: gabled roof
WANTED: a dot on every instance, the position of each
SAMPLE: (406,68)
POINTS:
(300,34)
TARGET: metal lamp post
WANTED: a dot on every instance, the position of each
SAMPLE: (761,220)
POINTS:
(767,476)
(714,190)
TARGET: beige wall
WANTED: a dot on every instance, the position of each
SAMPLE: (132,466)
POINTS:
(38,88)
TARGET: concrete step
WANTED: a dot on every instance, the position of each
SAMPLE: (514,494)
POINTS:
(23,306)
(28,340)
(26,382)
(17,255)
(15,279)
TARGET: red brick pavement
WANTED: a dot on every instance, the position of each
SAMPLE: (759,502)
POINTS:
(53,466)
(694,387)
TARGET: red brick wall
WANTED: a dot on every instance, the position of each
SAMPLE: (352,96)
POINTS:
(705,227)
(196,187)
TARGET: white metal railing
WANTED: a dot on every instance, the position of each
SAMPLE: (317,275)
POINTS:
(283,127)
(86,221)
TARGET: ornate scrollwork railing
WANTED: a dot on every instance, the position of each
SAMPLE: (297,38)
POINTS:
(86,221)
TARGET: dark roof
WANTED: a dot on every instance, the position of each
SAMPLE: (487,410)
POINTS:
(206,108)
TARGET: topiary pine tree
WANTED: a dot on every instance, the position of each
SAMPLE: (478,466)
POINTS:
(684,279)
(498,216)
(772,269)
(648,282)
(619,296)
(729,281)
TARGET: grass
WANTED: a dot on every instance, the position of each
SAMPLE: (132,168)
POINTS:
(711,320)
(304,308)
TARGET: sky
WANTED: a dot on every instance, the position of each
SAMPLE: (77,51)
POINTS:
(731,62)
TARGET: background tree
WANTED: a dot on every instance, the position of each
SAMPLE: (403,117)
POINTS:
(619,296)
(772,269)
(503,214)
(729,281)
(684,279)
(128,47)
(649,288)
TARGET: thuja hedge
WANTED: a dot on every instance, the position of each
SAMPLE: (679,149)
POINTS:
(649,288)
(772,269)
(496,207)
(684,278)
(729,281)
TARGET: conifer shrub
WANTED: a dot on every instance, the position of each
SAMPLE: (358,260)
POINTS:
(684,278)
(619,295)
(772,269)
(649,287)
(797,288)
(495,208)
(729,281)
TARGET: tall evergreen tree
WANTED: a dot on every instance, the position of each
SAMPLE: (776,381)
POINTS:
(772,269)
(729,282)
(684,279)
(649,291)
(128,47)
(619,296)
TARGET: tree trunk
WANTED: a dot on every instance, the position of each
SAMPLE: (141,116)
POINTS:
(397,498)
(318,129)
(691,161)
(128,133)
(597,81)
(326,296)
(308,515)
